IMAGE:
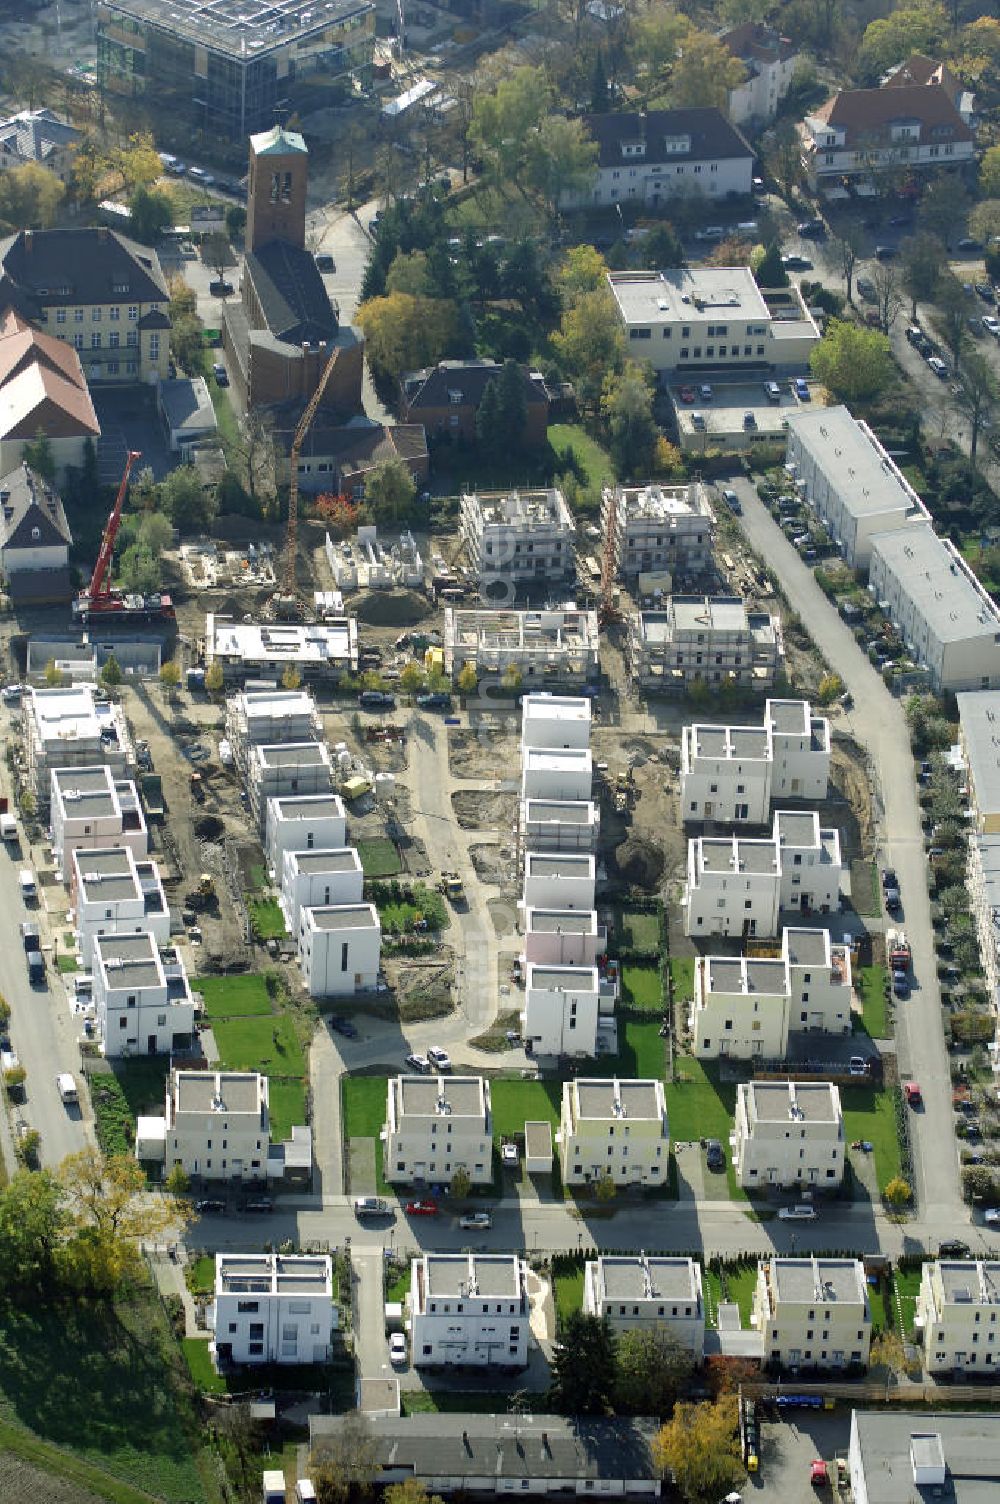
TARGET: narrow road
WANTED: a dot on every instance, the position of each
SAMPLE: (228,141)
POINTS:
(371,1351)
(878,722)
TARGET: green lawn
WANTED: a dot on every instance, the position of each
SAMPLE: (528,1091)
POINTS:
(639,931)
(266,918)
(568,1293)
(871,1114)
(398,915)
(200,1275)
(113,1119)
(582,455)
(641,986)
(224,415)
(876,1299)
(682,976)
(270,1045)
(103,1382)
(874,1007)
(47,1461)
(200,1366)
(66,964)
(363,1101)
(399,1288)
(234,996)
(866,892)
(518,1102)
(379,857)
(287,1106)
(735,1284)
(476,1401)
(700,1106)
(905,1288)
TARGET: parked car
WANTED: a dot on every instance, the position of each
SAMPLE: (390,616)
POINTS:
(376,699)
(370,1206)
(889,878)
(772,391)
(220,373)
(818,1475)
(220,288)
(710,232)
(992,1216)
(476,1222)
(714,1157)
(796,263)
(811,229)
(325,262)
(732,501)
(439,1059)
(705,392)
(418,1063)
(801,1212)
(954,1248)
(397,1349)
(857,1066)
(912,1093)
(259,1206)
(801,388)
(900,984)
(210,1208)
(423,1208)
(697,420)
(938,367)
(893,902)
(967,243)
(886,252)
(343,1026)
(686,394)
(436,700)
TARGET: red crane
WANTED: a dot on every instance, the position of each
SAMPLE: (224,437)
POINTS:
(99,600)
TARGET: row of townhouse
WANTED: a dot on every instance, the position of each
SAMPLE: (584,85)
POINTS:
(740,885)
(979,743)
(733,774)
(947,620)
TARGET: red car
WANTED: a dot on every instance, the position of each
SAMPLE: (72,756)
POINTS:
(421,1208)
(818,1475)
(686,394)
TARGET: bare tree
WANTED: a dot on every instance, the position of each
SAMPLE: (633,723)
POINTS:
(343,1465)
(922,260)
(888,297)
(848,247)
(255,452)
(977,396)
(952,313)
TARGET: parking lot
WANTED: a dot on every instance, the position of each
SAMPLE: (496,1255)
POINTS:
(734,415)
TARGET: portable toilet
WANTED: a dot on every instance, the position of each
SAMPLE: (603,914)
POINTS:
(272,1486)
(305,1493)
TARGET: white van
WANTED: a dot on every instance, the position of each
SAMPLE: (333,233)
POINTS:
(8,828)
(66,1087)
(26,883)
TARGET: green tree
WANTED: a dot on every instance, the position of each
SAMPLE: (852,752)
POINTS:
(291,678)
(155,532)
(562,158)
(854,364)
(512,405)
(943,207)
(489,431)
(152,213)
(989,173)
(651,1369)
(389,491)
(511,679)
(37,455)
(505,121)
(782,153)
(32,1222)
(410,1491)
(187,503)
(178,1181)
(214,678)
(917,27)
(977,396)
(661,248)
(411,678)
(627,405)
(590,343)
(139,570)
(343,1466)
(950,321)
(922,260)
(404,333)
(583,269)
(583,1366)
(137,162)
(605,1189)
(768,271)
(170,675)
(217,254)
(14,1078)
(898,1192)
(236,221)
(467,681)
(53,674)
(699,1447)
(111,672)
(704,73)
(111,1214)
(409,274)
(831,686)
(30,197)
(461,1183)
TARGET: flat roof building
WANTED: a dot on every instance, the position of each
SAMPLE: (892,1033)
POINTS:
(91,808)
(659,528)
(254,717)
(812,1313)
(320,651)
(518,539)
(143,1004)
(436,1125)
(979,735)
(563,937)
(788,1133)
(469,1309)
(896,1456)
(557,721)
(562,1009)
(546,647)
(637,1290)
(958,1316)
(286,770)
(302,822)
(217,1124)
(339,949)
(273,1308)
(111,891)
(613,1127)
(714,639)
(69,727)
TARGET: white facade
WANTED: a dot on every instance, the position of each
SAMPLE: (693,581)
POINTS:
(217,1124)
(944,614)
(846,477)
(307,822)
(739,886)
(710,638)
(557,773)
(113,893)
(788,1133)
(256,650)
(143,1006)
(560,824)
(70,728)
(686,319)
(436,1125)
(555,721)
(339,949)
(561,1010)
(273,1308)
(319,879)
(563,937)
(616,1128)
(91,808)
(749,1006)
(656,156)
(868,133)
(958,1316)
(545,647)
(636,1290)
(813,1313)
(659,528)
(979,735)
(559,880)
(731,774)
(770,61)
(518,538)
(257,717)
(470,1310)
(286,770)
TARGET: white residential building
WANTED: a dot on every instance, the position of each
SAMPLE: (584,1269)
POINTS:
(516,539)
(319,879)
(788,1133)
(896,1455)
(958,1316)
(731,774)
(813,1313)
(685,320)
(113,893)
(739,886)
(555,721)
(91,808)
(273,1308)
(469,1310)
(747,1006)
(842,472)
(560,824)
(867,133)
(306,822)
(321,652)
(70,728)
(616,1128)
(655,156)
(545,647)
(563,937)
(559,880)
(944,614)
(983,880)
(286,770)
(562,1006)
(702,637)
(217,1124)
(979,736)
(436,1125)
(562,774)
(144,1006)
(256,717)
(659,529)
(339,949)
(636,1290)
(769,60)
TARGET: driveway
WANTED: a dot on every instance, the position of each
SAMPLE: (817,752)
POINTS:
(371,1349)
(879,724)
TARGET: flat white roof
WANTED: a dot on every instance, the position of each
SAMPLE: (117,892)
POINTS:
(866,480)
(555,707)
(683,294)
(256,642)
(979,714)
(932,573)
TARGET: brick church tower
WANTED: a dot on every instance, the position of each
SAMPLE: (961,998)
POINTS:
(276,193)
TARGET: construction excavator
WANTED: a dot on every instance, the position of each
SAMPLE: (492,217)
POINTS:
(99,602)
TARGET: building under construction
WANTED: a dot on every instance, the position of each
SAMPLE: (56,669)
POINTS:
(546,648)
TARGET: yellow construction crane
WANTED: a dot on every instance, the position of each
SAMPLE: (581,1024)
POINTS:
(304,424)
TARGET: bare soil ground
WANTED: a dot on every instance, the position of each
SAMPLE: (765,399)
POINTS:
(487,751)
(475,810)
(19,1481)
(423,986)
(850,775)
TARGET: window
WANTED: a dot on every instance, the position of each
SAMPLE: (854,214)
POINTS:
(60,315)
(114,339)
(133,313)
(95,341)
(154,347)
(131,338)
(78,342)
(95,315)
(78,315)
(114,314)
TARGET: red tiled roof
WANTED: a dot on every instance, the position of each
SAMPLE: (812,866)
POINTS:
(759,42)
(41,385)
(866,115)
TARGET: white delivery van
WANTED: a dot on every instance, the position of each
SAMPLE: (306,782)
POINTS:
(26,883)
(8,828)
(67,1088)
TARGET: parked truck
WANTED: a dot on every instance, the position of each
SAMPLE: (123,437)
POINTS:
(151,786)
(897,950)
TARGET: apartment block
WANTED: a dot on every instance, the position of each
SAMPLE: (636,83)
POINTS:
(217,1125)
(143,1004)
(659,529)
(112,893)
(864,132)
(944,614)
(320,651)
(746,1006)
(979,737)
(273,1308)
(653,156)
(285,770)
(637,1291)
(731,774)
(256,717)
(560,825)
(469,1310)
(339,949)
(983,880)
(812,1313)
(769,62)
(562,1007)
(560,880)
(517,539)
(788,1133)
(616,1128)
(555,721)
(563,774)
(89,808)
(305,822)
(436,1125)
(958,1315)
(563,937)
(715,639)
(547,648)
(843,473)
(739,886)
(70,728)
(319,879)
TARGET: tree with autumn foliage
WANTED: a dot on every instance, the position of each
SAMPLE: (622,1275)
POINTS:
(338,512)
